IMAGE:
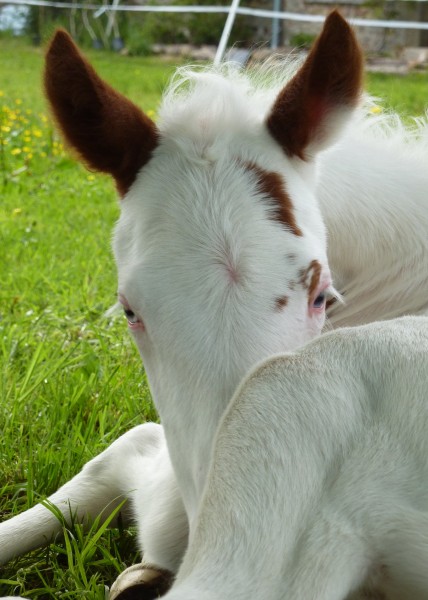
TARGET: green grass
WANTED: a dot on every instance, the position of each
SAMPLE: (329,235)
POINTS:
(71,381)
(405,94)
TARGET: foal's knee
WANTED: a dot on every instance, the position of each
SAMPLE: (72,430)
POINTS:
(141,441)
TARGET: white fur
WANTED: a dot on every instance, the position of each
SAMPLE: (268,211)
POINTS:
(201,262)
(324,493)
(373,194)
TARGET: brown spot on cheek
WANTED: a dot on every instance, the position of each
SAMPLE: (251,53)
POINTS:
(271,185)
(281,303)
(310,278)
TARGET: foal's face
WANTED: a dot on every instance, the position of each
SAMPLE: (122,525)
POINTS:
(220,246)
(221,260)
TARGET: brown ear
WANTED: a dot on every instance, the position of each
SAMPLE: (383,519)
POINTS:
(108,131)
(309,111)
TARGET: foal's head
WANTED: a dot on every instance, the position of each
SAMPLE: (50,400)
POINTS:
(220,246)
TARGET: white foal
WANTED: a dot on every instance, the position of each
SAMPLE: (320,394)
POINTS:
(221,252)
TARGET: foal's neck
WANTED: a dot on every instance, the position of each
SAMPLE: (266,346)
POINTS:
(190,417)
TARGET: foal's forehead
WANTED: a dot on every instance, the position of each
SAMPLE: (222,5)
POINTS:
(227,211)
(211,188)
(218,181)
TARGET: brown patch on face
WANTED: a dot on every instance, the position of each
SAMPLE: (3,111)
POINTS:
(271,184)
(107,130)
(281,303)
(310,278)
(330,78)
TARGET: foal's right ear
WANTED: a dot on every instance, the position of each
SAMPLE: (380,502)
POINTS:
(108,131)
(310,111)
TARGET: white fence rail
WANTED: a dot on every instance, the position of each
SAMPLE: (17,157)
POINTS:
(240,10)
(232,10)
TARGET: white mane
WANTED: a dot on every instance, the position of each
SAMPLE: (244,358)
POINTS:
(228,95)
(212,101)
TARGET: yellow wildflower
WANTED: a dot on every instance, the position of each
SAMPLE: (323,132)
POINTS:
(15,151)
(375,110)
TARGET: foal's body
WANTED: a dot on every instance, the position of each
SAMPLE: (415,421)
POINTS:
(375,206)
(331,443)
(214,285)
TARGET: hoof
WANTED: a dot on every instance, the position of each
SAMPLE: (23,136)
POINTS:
(141,582)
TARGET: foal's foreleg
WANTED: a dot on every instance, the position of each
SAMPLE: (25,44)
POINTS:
(162,532)
(158,509)
(102,485)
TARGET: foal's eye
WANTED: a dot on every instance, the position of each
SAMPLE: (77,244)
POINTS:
(319,300)
(131,316)
(134,321)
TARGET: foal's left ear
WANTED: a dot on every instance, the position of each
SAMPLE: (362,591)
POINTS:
(108,131)
(313,106)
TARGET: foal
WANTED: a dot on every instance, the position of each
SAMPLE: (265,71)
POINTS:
(221,253)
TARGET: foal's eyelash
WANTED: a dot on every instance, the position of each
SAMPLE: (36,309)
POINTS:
(333,293)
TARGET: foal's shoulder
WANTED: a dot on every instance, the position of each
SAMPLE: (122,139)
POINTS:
(382,340)
(336,388)
(345,357)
